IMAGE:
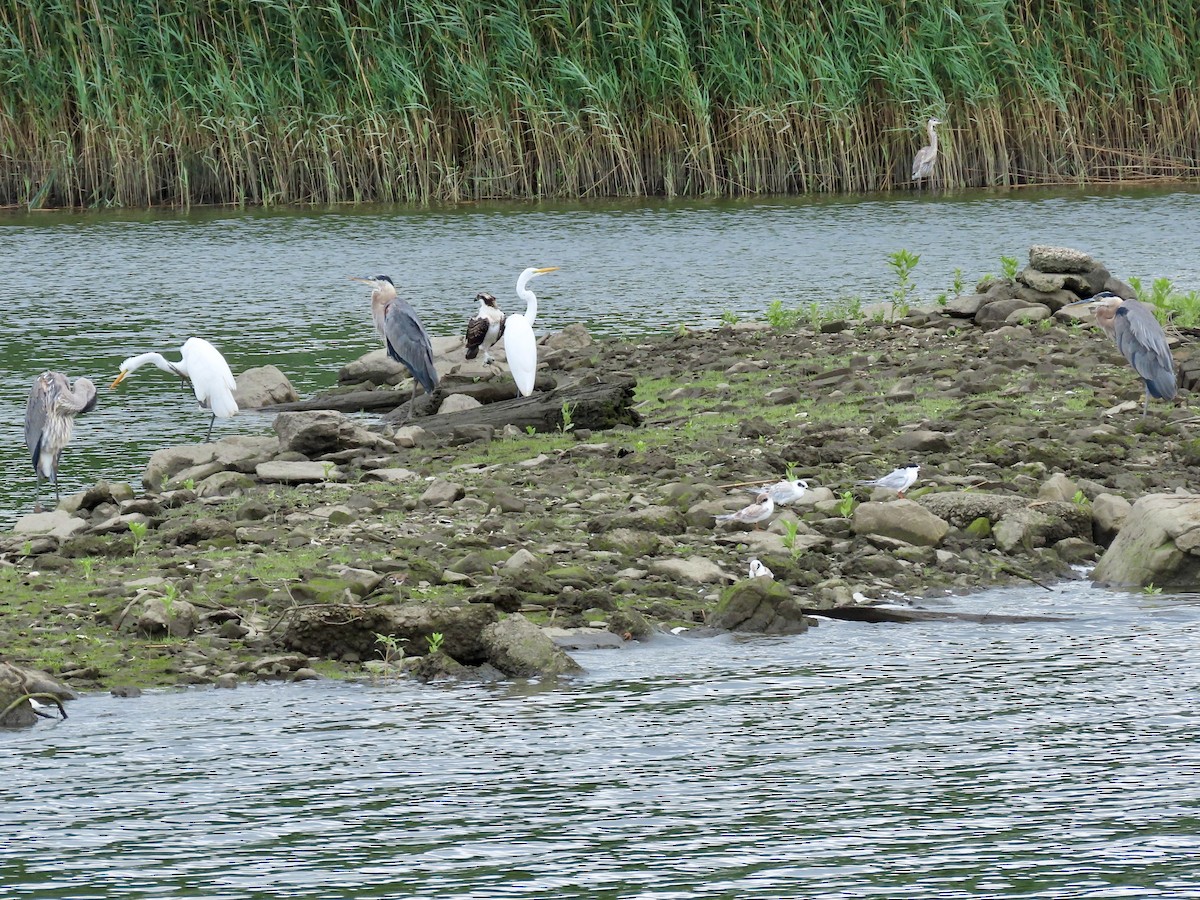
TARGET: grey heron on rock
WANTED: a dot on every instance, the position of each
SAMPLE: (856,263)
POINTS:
(203,365)
(50,422)
(1141,340)
(403,334)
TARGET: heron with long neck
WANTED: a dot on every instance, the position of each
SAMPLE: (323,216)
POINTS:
(50,423)
(520,344)
(403,335)
(924,159)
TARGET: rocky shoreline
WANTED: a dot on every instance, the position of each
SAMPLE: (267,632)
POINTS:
(455,547)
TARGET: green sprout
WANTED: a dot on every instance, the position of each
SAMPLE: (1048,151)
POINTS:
(1010,265)
(902,263)
(138,530)
(845,504)
(435,641)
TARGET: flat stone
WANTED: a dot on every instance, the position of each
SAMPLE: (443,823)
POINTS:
(1059,259)
(56,523)
(296,472)
(390,475)
(691,568)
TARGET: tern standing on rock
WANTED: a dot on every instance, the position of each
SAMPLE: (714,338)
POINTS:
(783,492)
(756,512)
(898,480)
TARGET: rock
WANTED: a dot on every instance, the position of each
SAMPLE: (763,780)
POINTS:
(392,476)
(922,441)
(962,509)
(691,568)
(176,619)
(16,683)
(759,605)
(520,649)
(965,306)
(442,493)
(1042,282)
(573,337)
(524,561)
(458,403)
(996,313)
(263,386)
(583,638)
(1028,316)
(226,681)
(1109,513)
(1058,487)
(376,367)
(58,524)
(629,542)
(1159,544)
(905,520)
(1059,259)
(657,519)
(285,472)
(319,432)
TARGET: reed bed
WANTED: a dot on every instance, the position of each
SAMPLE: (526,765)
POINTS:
(130,103)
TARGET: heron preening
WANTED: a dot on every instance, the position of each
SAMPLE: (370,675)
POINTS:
(520,344)
(924,159)
(403,334)
(203,365)
(1141,340)
(50,421)
(484,328)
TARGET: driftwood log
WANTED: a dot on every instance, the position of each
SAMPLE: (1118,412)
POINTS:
(395,402)
(592,404)
(908,614)
(495,390)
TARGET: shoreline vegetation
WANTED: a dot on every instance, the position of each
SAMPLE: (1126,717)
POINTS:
(450,549)
(120,103)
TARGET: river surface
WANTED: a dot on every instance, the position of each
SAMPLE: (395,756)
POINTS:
(81,292)
(1054,759)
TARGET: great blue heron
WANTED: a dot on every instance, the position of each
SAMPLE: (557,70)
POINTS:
(924,159)
(203,365)
(484,328)
(520,345)
(898,480)
(1141,340)
(758,511)
(403,334)
(50,421)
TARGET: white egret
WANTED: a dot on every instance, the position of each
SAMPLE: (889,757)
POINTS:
(520,344)
(50,421)
(204,366)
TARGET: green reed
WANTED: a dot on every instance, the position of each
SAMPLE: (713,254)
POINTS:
(297,101)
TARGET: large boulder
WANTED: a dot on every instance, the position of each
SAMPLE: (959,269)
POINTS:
(520,649)
(1158,544)
(263,386)
(57,523)
(317,432)
(905,520)
(759,605)
(16,684)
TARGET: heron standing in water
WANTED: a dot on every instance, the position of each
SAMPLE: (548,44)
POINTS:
(922,166)
(403,334)
(1141,340)
(203,365)
(50,422)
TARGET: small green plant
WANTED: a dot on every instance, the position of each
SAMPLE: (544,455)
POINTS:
(88,564)
(566,424)
(1080,499)
(435,641)
(902,263)
(189,484)
(845,504)
(27,548)
(530,430)
(959,282)
(640,446)
(389,647)
(1046,324)
(1151,589)
(789,471)
(138,530)
(790,532)
(328,468)
(780,318)
(1009,266)
(170,594)
(729,317)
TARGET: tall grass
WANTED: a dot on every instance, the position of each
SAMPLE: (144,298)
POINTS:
(138,103)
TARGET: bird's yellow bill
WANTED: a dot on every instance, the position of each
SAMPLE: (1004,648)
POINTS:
(548,269)
(363,280)
(118,380)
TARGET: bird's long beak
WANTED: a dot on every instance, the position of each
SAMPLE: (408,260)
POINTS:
(547,269)
(118,380)
(363,280)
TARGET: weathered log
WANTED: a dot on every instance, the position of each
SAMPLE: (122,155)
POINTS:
(909,614)
(594,405)
(350,401)
(494,390)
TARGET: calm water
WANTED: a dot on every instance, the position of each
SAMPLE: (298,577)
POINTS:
(82,292)
(1051,760)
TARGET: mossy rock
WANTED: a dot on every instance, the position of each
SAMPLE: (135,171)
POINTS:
(759,605)
(980,528)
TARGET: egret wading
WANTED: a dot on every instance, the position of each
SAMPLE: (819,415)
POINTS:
(204,366)
(924,159)
(1141,340)
(484,328)
(50,421)
(520,344)
(403,334)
